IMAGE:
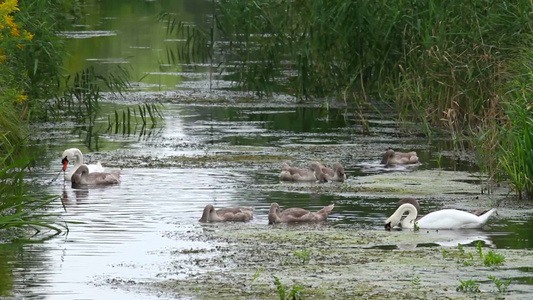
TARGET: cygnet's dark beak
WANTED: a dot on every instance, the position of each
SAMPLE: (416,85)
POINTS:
(387,226)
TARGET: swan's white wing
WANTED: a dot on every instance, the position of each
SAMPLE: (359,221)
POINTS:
(96,168)
(450,219)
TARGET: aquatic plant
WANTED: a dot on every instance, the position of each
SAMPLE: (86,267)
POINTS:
(468,286)
(257,273)
(461,256)
(84,91)
(467,258)
(303,256)
(439,161)
(493,258)
(500,285)
(416,281)
(479,249)
(516,156)
(126,120)
(198,44)
(20,209)
(296,292)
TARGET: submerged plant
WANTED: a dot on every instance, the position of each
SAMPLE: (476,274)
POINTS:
(257,273)
(296,292)
(303,256)
(493,258)
(500,285)
(416,280)
(468,286)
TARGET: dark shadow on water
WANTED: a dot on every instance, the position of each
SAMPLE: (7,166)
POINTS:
(80,194)
(521,280)
(384,247)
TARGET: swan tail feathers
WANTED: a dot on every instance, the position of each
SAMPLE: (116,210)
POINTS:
(485,217)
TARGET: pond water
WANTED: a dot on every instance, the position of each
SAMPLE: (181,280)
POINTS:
(212,148)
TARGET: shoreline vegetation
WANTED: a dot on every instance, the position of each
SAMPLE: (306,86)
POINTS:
(461,67)
(31,58)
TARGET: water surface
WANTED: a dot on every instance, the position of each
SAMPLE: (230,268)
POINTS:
(223,152)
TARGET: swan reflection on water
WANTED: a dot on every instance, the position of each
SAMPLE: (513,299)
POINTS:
(444,238)
(79,195)
(376,167)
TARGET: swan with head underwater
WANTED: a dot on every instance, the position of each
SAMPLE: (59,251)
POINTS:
(311,174)
(232,214)
(335,173)
(441,219)
(75,157)
(297,215)
(391,157)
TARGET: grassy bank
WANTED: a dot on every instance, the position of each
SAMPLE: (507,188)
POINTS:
(30,68)
(460,66)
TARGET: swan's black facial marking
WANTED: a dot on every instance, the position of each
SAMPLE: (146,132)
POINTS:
(387,226)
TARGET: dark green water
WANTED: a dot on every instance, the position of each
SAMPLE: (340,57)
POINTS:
(219,151)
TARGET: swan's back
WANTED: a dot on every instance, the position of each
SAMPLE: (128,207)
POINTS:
(453,219)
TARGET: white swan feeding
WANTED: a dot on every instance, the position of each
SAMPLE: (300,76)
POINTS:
(75,157)
(441,219)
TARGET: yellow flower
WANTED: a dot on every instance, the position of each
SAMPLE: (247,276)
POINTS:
(15,31)
(21,98)
(7,20)
(29,36)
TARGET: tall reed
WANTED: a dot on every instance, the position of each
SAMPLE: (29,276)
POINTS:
(442,60)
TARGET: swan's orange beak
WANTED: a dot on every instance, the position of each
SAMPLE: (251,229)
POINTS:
(64,161)
(387,226)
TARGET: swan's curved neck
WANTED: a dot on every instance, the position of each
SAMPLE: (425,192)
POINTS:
(78,157)
(213,216)
(273,215)
(409,221)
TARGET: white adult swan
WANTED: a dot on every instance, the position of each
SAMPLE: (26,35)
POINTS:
(82,177)
(441,219)
(74,156)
